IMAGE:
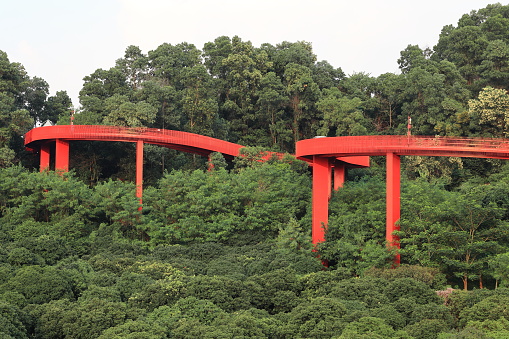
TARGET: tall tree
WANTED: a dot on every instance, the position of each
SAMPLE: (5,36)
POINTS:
(134,65)
(422,97)
(167,62)
(122,112)
(58,107)
(473,237)
(271,102)
(15,119)
(300,53)
(459,231)
(491,110)
(341,116)
(388,89)
(99,86)
(214,53)
(34,96)
(13,124)
(494,68)
(199,102)
(477,46)
(464,46)
(245,67)
(303,93)
(326,76)
(165,98)
(413,56)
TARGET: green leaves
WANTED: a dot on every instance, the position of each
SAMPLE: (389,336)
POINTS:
(459,231)
(14,122)
(218,206)
(491,109)
(41,284)
(341,116)
(125,113)
(199,106)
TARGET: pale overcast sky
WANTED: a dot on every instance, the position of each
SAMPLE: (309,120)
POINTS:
(63,41)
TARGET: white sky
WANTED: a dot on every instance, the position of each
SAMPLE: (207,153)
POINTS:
(63,41)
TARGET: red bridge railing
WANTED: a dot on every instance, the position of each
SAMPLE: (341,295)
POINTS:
(403,145)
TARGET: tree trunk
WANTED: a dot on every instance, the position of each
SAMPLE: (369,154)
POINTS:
(297,113)
(390,115)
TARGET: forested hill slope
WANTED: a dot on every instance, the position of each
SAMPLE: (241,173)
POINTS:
(226,253)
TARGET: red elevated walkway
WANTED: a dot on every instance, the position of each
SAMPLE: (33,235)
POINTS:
(324,152)
(183,141)
(41,138)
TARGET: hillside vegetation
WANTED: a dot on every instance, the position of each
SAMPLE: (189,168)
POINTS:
(226,253)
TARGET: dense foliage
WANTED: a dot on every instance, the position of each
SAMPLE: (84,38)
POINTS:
(224,251)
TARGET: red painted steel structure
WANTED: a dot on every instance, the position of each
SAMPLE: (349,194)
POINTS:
(324,152)
(41,138)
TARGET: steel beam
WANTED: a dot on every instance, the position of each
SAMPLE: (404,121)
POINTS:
(339,175)
(393,192)
(139,169)
(320,198)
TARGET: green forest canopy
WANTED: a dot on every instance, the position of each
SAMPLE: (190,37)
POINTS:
(226,253)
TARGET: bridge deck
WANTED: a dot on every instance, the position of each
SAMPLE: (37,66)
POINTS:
(183,141)
(403,145)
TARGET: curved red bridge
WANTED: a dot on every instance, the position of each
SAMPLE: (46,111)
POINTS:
(324,152)
(183,141)
(403,145)
(41,138)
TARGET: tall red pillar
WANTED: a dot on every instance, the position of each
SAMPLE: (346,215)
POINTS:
(320,198)
(393,191)
(139,169)
(329,184)
(339,175)
(44,157)
(61,155)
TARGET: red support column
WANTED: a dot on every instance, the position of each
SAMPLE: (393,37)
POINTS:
(44,157)
(139,169)
(210,165)
(339,175)
(329,185)
(393,191)
(61,156)
(320,203)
